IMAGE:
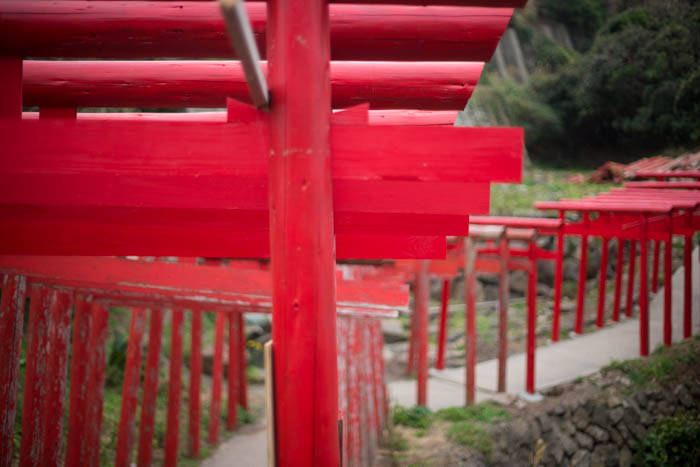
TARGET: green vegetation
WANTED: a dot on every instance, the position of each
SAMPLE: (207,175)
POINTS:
(673,441)
(472,435)
(485,412)
(414,417)
(662,364)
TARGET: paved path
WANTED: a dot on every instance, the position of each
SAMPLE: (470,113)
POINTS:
(560,362)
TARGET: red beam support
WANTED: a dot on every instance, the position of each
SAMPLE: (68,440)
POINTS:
(531,318)
(234,372)
(243,364)
(11,324)
(172,432)
(619,266)
(442,332)
(602,291)
(195,384)
(301,234)
(470,321)
(37,357)
(130,389)
(422,298)
(503,292)
(217,371)
(97,361)
(56,375)
(643,288)
(558,280)
(630,278)
(582,273)
(149,397)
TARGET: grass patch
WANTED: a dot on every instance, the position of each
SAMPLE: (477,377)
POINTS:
(471,435)
(395,441)
(660,366)
(485,412)
(414,417)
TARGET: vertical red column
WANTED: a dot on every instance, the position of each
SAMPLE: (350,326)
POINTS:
(668,275)
(172,432)
(630,278)
(130,389)
(422,297)
(410,360)
(655,267)
(195,382)
(620,263)
(558,278)
(582,272)
(35,377)
(470,321)
(301,233)
(687,286)
(643,289)
(97,355)
(77,412)
(11,324)
(243,363)
(600,318)
(56,375)
(233,370)
(150,388)
(11,87)
(442,332)
(531,319)
(216,375)
(343,385)
(503,288)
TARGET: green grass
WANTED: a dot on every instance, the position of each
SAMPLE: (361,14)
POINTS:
(472,435)
(658,367)
(414,417)
(485,412)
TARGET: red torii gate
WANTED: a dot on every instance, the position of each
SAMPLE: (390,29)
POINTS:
(296,137)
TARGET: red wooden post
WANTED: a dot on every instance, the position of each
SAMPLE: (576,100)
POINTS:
(130,389)
(630,278)
(172,432)
(619,266)
(655,267)
(503,290)
(470,321)
(531,318)
(442,332)
(688,288)
(582,273)
(353,415)
(195,383)
(377,375)
(150,388)
(343,385)
(97,361)
(602,290)
(422,298)
(412,336)
(11,324)
(643,289)
(233,370)
(216,375)
(668,275)
(558,279)
(301,234)
(56,375)
(243,363)
(11,87)
(35,378)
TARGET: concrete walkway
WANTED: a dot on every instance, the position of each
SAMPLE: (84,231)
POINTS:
(561,362)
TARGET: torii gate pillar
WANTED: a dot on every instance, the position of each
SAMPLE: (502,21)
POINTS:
(301,234)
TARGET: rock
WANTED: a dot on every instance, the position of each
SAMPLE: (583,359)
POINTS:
(615,436)
(605,455)
(558,409)
(664,408)
(580,418)
(642,400)
(654,392)
(652,406)
(570,269)
(521,432)
(683,395)
(581,459)
(645,418)
(625,433)
(555,453)
(625,459)
(545,272)
(518,282)
(600,415)
(583,440)
(615,415)
(568,444)
(614,401)
(568,427)
(598,433)
(545,423)
(638,431)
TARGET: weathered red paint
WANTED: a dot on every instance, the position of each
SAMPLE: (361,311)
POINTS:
(195,384)
(233,371)
(582,275)
(630,278)
(172,432)
(643,293)
(655,267)
(422,298)
(130,389)
(132,30)
(442,331)
(217,374)
(531,318)
(243,364)
(470,322)
(149,393)
(97,355)
(11,324)
(619,266)
(503,291)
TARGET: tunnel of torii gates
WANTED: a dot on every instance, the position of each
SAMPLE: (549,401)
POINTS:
(284,178)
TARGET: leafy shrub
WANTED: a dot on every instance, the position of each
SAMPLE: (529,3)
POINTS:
(415,417)
(673,441)
(471,435)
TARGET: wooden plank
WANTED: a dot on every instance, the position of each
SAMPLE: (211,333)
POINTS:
(133,30)
(130,389)
(11,324)
(149,395)
(444,86)
(172,432)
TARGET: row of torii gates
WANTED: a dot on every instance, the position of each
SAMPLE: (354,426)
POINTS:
(291,177)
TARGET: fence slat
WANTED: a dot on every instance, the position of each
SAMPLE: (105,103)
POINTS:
(34,389)
(150,388)
(233,370)
(195,381)
(130,389)
(56,376)
(11,324)
(216,373)
(97,354)
(173,422)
